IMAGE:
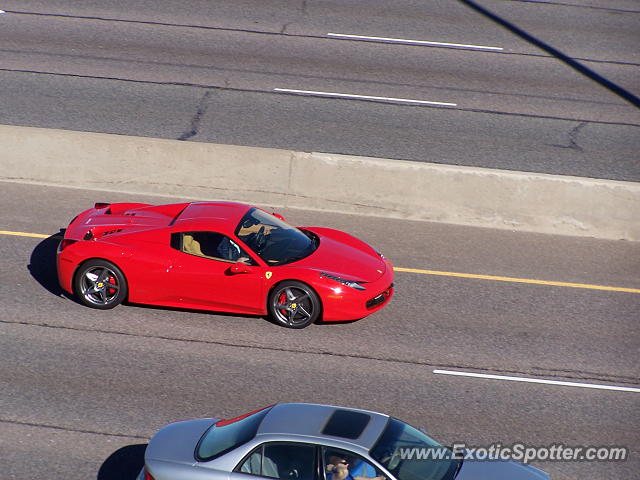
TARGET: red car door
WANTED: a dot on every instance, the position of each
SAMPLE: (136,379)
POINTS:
(200,280)
(147,266)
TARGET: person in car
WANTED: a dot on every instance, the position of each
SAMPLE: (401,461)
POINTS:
(341,468)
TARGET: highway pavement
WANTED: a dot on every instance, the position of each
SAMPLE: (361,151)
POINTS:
(530,86)
(81,390)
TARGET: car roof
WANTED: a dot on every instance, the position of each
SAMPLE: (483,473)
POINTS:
(352,425)
(206,215)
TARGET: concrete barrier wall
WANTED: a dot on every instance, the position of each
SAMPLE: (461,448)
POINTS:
(371,186)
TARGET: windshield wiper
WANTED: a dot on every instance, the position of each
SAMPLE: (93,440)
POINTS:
(296,258)
(312,236)
(458,467)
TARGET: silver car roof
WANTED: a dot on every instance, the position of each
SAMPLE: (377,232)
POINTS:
(309,420)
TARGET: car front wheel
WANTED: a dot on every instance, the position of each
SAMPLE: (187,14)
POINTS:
(294,304)
(100,284)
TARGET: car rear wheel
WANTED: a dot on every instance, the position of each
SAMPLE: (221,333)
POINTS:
(294,304)
(100,284)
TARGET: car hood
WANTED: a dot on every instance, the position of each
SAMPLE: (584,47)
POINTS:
(345,256)
(499,470)
(176,442)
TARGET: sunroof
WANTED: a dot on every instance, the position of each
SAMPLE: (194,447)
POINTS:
(346,424)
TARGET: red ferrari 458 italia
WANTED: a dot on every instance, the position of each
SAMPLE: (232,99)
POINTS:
(220,256)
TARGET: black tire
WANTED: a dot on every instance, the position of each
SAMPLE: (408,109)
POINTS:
(100,284)
(294,304)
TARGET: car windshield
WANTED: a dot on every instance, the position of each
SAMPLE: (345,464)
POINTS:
(274,240)
(411,455)
(226,435)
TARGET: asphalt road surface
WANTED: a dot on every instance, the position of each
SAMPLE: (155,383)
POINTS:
(545,86)
(81,390)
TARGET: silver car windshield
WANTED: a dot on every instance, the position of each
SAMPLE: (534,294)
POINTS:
(409,453)
(226,435)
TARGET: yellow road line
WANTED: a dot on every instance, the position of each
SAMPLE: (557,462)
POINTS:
(518,280)
(447,274)
(24,234)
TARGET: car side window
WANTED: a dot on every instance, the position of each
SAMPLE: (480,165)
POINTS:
(212,245)
(283,461)
(341,464)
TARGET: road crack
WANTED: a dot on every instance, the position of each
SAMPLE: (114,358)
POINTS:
(195,120)
(573,139)
(70,429)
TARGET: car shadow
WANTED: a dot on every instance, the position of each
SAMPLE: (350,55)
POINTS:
(42,263)
(264,318)
(197,311)
(335,323)
(123,464)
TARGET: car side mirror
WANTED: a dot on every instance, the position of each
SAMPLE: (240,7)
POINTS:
(239,267)
(277,215)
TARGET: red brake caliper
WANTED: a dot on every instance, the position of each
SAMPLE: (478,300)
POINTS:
(282,300)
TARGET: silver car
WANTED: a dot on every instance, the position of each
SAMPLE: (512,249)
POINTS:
(298,441)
